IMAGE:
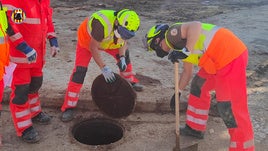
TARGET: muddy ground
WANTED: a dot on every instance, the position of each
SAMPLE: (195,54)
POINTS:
(151,126)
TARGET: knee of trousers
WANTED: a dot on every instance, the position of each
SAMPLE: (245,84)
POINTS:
(79,74)
(226,113)
(21,94)
(196,85)
(36,83)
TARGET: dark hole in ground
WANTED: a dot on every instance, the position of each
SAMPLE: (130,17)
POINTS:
(97,131)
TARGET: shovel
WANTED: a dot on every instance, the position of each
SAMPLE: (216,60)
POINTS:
(193,147)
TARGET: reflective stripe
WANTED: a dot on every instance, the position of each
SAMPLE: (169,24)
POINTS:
(24,123)
(9,7)
(32,52)
(209,35)
(18,59)
(107,21)
(73,94)
(197,52)
(15,37)
(72,103)
(53,34)
(32,21)
(248,144)
(196,120)
(233,145)
(33,100)
(35,109)
(27,20)
(22,113)
(197,111)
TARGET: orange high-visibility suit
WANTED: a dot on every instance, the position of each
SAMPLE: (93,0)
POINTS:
(222,65)
(83,56)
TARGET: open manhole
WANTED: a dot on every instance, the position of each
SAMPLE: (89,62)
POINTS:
(98,131)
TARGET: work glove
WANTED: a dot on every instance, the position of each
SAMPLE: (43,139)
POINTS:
(177,55)
(122,64)
(172,102)
(108,74)
(54,47)
(28,51)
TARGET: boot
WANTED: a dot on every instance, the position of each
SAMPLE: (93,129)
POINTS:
(67,115)
(42,118)
(188,131)
(137,87)
(172,103)
(30,135)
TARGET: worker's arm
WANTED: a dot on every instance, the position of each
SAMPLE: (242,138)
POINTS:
(94,48)
(122,50)
(191,31)
(106,71)
(186,75)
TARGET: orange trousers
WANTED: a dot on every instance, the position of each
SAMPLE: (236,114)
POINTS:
(229,84)
(24,98)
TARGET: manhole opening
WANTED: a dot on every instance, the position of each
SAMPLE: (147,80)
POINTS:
(97,131)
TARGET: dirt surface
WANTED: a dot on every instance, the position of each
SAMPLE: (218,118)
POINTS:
(151,126)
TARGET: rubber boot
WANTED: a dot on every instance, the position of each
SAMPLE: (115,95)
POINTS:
(67,115)
(42,118)
(188,131)
(137,87)
(30,135)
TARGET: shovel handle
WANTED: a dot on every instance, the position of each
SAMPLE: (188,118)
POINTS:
(177,113)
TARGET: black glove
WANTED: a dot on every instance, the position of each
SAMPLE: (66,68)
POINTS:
(177,55)
(172,103)
(28,51)
(122,64)
(54,50)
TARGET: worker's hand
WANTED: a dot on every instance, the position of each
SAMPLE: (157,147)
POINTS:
(28,51)
(31,56)
(172,102)
(177,55)
(108,74)
(122,64)
(54,47)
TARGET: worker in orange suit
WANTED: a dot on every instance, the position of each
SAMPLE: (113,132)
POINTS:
(222,58)
(32,25)
(104,31)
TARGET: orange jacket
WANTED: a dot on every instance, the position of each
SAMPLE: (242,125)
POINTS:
(82,34)
(222,50)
